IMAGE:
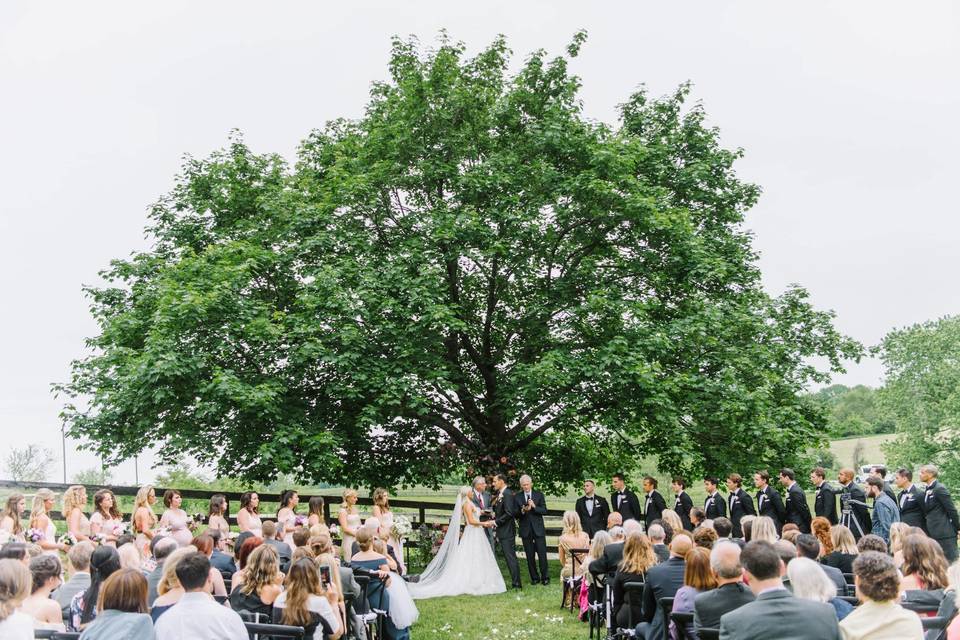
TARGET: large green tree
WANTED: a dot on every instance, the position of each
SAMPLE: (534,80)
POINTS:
(853,411)
(922,395)
(471,276)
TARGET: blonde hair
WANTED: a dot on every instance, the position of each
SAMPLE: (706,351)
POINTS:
(71,499)
(843,540)
(16,582)
(129,557)
(898,533)
(763,529)
(600,541)
(39,508)
(464,493)
(571,523)
(327,559)
(638,555)
(346,493)
(672,518)
(263,567)
(143,500)
(168,579)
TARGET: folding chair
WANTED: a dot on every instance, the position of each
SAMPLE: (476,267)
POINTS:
(707,633)
(632,597)
(255,629)
(681,619)
(666,607)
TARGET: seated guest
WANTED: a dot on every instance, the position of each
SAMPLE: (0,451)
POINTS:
(46,613)
(663,581)
(787,552)
(790,535)
(746,526)
(809,582)
(306,603)
(122,609)
(614,520)
(170,590)
(790,526)
(15,551)
(79,557)
(243,556)
(198,616)
(730,593)
(809,547)
(600,541)
(723,527)
(204,544)
(301,537)
(844,549)
(613,552)
(775,613)
(658,539)
(220,559)
(924,565)
(130,557)
(262,582)
(763,529)
(704,537)
(697,578)
(162,547)
(572,537)
(323,554)
(820,528)
(377,595)
(638,557)
(879,617)
(898,534)
(282,548)
(871,542)
(15,582)
(672,523)
(104,561)
(697,516)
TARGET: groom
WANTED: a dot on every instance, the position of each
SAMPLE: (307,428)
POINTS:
(505,515)
(533,507)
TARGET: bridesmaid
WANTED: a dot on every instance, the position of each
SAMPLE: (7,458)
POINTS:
(43,503)
(106,516)
(349,519)
(74,500)
(315,508)
(382,512)
(287,516)
(144,519)
(218,514)
(12,521)
(175,518)
(248,518)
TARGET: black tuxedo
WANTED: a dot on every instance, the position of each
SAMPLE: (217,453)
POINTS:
(740,504)
(715,506)
(942,519)
(626,504)
(769,504)
(654,507)
(825,504)
(911,502)
(798,512)
(596,521)
(533,534)
(682,506)
(858,511)
(505,515)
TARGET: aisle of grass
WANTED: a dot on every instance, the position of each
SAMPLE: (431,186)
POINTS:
(533,612)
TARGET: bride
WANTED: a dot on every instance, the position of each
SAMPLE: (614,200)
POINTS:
(464,564)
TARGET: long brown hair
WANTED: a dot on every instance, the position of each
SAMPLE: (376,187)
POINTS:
(924,557)
(113,512)
(124,590)
(12,510)
(696,570)
(15,583)
(303,581)
(263,567)
(638,555)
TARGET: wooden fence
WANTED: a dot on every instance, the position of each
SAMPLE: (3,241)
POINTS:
(440,510)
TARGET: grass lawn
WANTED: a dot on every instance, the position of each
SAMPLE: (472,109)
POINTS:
(872,454)
(533,612)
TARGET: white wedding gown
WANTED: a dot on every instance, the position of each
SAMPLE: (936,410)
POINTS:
(463,565)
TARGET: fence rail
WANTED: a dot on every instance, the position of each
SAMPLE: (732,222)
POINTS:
(421,506)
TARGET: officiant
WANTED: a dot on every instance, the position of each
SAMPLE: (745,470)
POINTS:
(481,499)
(592,509)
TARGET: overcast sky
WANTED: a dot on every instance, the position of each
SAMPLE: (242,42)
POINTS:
(846,110)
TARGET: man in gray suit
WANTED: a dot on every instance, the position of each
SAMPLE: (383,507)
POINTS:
(776,613)
(162,547)
(481,500)
(730,594)
(79,557)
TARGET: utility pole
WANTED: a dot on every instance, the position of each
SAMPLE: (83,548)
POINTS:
(63,440)
(136,471)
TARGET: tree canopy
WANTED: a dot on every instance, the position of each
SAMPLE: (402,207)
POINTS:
(853,411)
(472,276)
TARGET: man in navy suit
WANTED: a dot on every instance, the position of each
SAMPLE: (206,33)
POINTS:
(531,507)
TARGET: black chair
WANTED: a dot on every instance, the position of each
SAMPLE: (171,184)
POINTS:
(666,607)
(50,634)
(573,583)
(221,599)
(632,597)
(848,577)
(707,633)
(935,622)
(256,629)
(372,618)
(920,607)
(681,619)
(850,599)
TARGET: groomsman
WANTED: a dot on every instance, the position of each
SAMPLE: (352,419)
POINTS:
(714,506)
(942,520)
(481,500)
(797,510)
(592,509)
(624,501)
(505,516)
(684,503)
(533,506)
(768,500)
(740,503)
(825,504)
(910,499)
(858,521)
(655,504)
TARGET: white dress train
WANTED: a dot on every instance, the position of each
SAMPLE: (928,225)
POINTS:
(464,565)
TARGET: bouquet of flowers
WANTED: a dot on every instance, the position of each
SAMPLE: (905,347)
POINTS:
(162,531)
(401,527)
(334,530)
(120,528)
(35,535)
(196,518)
(99,538)
(67,539)
(300,521)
